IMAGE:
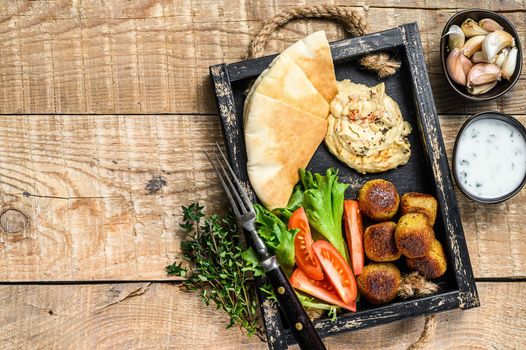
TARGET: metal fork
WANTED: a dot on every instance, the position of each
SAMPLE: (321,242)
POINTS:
(297,318)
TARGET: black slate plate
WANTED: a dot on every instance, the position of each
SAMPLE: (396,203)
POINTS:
(427,171)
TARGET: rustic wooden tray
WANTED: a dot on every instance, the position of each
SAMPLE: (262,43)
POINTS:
(427,171)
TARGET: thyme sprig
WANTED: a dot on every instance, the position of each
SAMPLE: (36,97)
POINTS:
(218,271)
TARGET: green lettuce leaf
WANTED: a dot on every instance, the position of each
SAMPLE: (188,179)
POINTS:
(252,262)
(317,304)
(323,198)
(276,236)
(295,201)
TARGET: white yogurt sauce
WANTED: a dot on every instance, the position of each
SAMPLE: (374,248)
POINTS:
(490,158)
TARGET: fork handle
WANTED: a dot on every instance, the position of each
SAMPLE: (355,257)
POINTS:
(297,318)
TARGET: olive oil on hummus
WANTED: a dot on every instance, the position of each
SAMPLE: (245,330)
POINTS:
(366,129)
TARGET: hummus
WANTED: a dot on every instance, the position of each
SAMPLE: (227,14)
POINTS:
(366,129)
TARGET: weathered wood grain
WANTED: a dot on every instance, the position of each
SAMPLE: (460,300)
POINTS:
(159,316)
(81,181)
(85,184)
(153,56)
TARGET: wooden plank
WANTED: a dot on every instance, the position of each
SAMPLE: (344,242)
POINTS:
(160,316)
(92,218)
(84,184)
(153,56)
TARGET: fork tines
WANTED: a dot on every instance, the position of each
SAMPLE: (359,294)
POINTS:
(236,195)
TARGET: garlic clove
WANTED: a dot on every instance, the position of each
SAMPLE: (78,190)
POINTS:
(496,41)
(480,89)
(473,45)
(489,25)
(472,28)
(483,73)
(456,37)
(479,57)
(455,68)
(501,57)
(509,65)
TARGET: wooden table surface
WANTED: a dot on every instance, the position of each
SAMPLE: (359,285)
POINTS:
(103,100)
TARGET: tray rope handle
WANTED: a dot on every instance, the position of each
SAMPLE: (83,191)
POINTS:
(352,21)
(356,25)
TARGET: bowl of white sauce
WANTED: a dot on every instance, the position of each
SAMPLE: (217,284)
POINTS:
(489,157)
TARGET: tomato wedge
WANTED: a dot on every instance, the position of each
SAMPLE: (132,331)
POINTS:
(337,270)
(305,257)
(320,289)
(354,232)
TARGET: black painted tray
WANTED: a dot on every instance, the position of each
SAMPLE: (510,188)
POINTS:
(427,171)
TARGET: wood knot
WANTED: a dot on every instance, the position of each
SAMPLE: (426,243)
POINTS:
(13,221)
(155,184)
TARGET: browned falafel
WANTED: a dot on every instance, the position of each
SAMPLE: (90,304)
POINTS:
(414,202)
(379,282)
(414,235)
(379,242)
(433,265)
(378,199)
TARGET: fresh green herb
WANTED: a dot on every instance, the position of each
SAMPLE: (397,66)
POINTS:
(253,265)
(176,269)
(323,198)
(276,236)
(219,272)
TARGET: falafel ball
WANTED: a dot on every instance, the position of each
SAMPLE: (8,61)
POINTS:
(414,235)
(414,202)
(379,282)
(379,242)
(378,199)
(433,265)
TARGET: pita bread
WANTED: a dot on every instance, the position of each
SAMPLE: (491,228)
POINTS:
(285,116)
(285,81)
(275,148)
(313,55)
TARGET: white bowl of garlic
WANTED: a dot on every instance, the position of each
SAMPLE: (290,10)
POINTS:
(481,54)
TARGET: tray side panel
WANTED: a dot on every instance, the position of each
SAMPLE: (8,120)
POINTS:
(386,314)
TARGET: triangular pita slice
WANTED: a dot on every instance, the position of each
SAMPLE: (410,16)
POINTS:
(280,139)
(313,55)
(286,82)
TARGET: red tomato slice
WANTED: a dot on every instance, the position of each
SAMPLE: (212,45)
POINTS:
(354,232)
(320,289)
(305,257)
(337,270)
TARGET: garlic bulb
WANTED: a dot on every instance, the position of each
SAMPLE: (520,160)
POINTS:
(509,65)
(456,37)
(489,25)
(472,28)
(483,73)
(496,41)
